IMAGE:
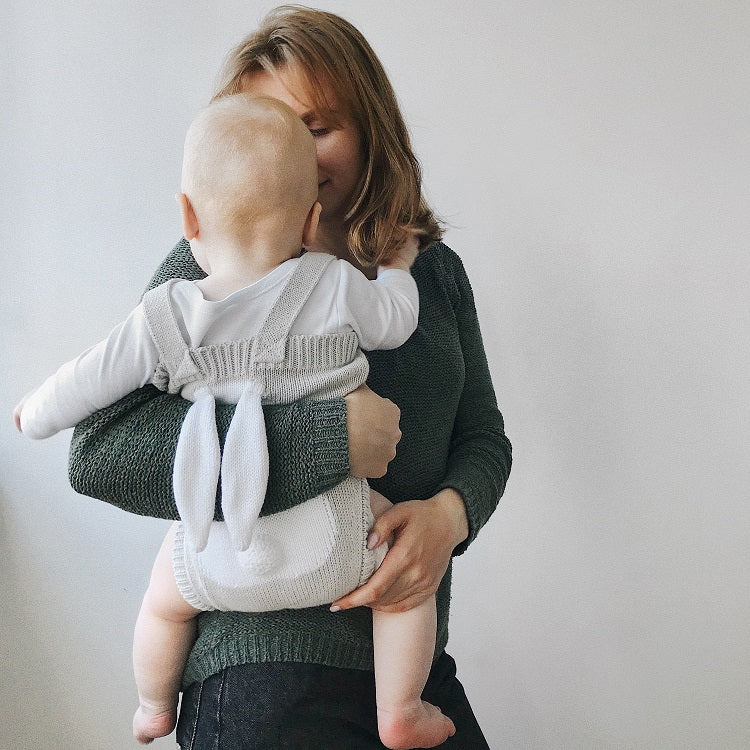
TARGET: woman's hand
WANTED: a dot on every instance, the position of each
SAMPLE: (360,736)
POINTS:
(423,535)
(373,432)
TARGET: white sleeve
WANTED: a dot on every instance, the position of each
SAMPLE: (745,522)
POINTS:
(383,312)
(103,374)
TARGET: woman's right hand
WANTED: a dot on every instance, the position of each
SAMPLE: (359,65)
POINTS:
(372,426)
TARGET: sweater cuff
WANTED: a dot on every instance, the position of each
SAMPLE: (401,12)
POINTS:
(330,442)
(478,509)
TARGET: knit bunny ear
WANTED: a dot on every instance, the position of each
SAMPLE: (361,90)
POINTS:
(196,470)
(244,467)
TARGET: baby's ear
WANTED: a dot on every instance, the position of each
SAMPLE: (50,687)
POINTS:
(190,226)
(311,224)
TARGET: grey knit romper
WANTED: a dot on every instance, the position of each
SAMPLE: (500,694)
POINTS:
(305,556)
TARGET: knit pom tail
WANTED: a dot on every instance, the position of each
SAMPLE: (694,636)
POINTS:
(262,557)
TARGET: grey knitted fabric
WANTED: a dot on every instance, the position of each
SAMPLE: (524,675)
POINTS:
(291,368)
(453,436)
(305,556)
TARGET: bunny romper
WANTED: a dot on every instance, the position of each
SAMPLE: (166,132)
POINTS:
(257,346)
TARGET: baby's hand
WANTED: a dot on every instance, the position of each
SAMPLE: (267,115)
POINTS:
(17,412)
(405,256)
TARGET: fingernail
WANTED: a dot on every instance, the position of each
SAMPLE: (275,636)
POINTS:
(335,608)
(372,541)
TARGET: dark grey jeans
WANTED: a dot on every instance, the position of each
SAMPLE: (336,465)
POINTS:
(307,707)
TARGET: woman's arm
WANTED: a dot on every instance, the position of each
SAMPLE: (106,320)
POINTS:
(124,454)
(480,456)
(428,532)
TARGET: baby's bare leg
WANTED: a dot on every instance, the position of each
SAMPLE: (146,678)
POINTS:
(164,634)
(404,646)
(379,504)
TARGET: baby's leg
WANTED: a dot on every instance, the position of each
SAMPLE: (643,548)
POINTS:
(164,634)
(379,504)
(404,646)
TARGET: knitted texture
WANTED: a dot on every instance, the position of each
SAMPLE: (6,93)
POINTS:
(307,555)
(316,553)
(452,436)
(309,356)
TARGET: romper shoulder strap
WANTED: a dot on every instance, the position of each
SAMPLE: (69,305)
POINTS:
(270,342)
(174,353)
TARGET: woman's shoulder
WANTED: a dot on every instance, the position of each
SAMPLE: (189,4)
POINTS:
(179,264)
(441,265)
(439,255)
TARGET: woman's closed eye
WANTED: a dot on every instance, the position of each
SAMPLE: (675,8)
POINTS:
(318,124)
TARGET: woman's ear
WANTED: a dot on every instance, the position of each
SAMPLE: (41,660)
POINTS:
(311,224)
(190,228)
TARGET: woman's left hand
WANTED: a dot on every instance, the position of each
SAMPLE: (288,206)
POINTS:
(422,535)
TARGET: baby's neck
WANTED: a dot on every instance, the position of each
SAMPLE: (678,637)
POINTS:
(233,268)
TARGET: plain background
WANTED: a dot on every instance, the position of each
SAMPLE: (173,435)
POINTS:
(591,158)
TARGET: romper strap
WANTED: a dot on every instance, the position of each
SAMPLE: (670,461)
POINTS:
(270,342)
(174,352)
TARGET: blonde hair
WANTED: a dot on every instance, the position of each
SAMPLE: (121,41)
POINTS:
(246,158)
(327,50)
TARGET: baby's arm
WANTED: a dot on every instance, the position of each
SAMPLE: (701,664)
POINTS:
(384,312)
(98,377)
(123,454)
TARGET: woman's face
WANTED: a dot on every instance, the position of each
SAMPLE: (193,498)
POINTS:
(339,148)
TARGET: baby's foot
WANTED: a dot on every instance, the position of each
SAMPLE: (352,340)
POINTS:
(150,723)
(414,725)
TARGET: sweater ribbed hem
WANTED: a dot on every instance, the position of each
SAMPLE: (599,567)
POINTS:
(307,636)
(299,648)
(255,649)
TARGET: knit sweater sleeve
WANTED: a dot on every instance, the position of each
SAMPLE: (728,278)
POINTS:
(124,454)
(480,454)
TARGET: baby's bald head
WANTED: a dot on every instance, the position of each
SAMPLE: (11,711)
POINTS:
(248,159)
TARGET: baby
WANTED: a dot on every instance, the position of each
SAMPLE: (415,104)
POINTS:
(268,324)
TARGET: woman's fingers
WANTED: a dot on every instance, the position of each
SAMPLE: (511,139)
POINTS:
(389,589)
(412,568)
(373,432)
(387,524)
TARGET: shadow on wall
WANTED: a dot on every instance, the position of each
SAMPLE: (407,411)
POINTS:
(29,675)
(30,643)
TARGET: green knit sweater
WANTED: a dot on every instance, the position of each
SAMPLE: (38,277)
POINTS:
(453,436)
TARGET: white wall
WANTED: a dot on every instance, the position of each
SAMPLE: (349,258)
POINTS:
(592,159)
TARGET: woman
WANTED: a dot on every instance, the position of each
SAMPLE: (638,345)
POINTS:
(302,678)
